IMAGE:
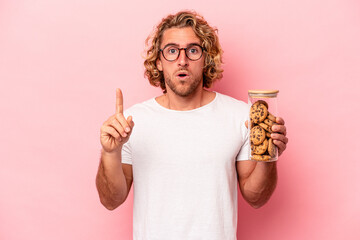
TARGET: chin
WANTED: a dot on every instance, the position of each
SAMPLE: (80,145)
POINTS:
(183,93)
(184,90)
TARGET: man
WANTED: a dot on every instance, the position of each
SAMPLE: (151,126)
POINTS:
(189,147)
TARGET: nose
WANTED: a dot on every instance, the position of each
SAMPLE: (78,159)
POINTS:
(183,60)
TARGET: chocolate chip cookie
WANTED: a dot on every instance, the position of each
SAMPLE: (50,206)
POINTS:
(257,135)
(260,157)
(260,149)
(258,112)
(265,127)
(271,117)
(271,148)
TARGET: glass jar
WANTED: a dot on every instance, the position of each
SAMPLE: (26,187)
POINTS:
(263,112)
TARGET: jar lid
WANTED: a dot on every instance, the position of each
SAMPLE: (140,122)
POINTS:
(263,93)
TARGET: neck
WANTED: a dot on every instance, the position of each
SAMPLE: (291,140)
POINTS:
(180,103)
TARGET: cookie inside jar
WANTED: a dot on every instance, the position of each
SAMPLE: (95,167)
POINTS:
(262,117)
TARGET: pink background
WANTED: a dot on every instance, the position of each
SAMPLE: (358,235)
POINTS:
(60,62)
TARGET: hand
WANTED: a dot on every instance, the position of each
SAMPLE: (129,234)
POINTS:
(279,135)
(116,130)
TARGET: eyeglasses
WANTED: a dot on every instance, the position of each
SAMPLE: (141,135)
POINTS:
(171,53)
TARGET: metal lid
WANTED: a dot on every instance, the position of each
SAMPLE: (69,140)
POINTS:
(263,93)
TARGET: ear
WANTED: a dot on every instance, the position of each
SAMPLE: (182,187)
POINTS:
(159,64)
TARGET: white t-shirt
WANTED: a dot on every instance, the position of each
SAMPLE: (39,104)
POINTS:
(184,169)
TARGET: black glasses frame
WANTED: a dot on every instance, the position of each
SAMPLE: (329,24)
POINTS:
(162,51)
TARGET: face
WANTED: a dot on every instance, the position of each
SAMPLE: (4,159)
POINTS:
(182,76)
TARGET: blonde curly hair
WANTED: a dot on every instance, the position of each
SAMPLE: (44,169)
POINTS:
(208,39)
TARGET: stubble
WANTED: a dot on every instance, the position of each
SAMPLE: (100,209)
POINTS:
(182,88)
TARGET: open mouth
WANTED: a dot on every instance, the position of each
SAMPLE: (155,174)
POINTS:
(182,75)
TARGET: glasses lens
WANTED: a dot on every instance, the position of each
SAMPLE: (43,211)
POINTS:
(194,52)
(171,53)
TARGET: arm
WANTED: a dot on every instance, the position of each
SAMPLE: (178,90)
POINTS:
(114,179)
(258,180)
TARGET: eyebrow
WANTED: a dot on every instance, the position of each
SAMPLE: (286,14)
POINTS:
(177,45)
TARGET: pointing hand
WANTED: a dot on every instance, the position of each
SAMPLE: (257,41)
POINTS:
(116,130)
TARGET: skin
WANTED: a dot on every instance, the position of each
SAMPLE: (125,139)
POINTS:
(257,180)
(114,179)
(182,94)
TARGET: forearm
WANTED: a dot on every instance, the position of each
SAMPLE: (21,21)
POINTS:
(259,186)
(111,181)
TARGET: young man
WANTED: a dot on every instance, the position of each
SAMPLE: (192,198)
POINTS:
(189,147)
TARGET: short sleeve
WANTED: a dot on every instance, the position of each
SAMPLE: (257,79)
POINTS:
(245,148)
(126,153)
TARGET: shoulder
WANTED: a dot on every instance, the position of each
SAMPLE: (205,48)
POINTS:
(141,108)
(232,103)
(235,112)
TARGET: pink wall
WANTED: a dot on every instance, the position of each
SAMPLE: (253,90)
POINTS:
(60,62)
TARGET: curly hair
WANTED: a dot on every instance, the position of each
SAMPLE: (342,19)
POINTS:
(208,38)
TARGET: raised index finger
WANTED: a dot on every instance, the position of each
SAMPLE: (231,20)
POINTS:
(119,101)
